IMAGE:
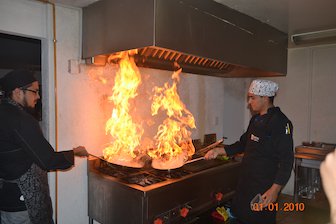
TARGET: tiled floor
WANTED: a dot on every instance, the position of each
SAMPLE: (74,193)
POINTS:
(316,211)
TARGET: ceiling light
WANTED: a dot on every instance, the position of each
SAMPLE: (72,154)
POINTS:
(315,37)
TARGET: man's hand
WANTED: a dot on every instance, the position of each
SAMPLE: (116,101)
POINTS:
(271,195)
(213,153)
(80,151)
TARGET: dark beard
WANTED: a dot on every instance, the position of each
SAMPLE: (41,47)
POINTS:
(29,110)
(32,111)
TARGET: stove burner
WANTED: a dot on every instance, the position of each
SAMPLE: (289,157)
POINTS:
(171,174)
(116,171)
(143,179)
(148,176)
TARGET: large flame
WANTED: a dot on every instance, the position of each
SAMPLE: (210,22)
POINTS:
(126,134)
(172,143)
(173,139)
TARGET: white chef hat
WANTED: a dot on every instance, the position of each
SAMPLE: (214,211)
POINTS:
(261,87)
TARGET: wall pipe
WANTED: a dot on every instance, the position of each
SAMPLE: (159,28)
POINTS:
(55,93)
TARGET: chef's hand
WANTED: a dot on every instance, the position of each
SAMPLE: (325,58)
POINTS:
(328,174)
(213,153)
(80,151)
(271,195)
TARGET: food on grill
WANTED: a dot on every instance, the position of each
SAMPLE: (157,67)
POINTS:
(124,160)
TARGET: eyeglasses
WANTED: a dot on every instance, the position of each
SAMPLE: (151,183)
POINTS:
(33,91)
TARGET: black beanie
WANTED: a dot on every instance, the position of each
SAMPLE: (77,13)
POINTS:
(16,79)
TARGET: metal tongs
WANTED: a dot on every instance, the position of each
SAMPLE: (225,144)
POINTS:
(99,157)
(206,149)
(211,146)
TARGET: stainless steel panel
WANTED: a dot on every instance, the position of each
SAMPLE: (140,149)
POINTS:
(117,25)
(111,201)
(197,191)
(202,36)
(211,30)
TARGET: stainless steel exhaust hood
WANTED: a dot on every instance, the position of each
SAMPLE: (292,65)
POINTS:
(200,36)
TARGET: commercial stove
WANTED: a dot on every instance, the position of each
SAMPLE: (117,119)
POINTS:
(125,195)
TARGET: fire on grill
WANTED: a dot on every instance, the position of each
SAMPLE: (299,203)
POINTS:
(171,146)
(156,131)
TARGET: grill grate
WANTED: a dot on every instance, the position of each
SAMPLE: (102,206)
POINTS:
(140,176)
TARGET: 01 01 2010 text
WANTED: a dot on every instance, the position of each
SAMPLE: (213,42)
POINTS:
(286,207)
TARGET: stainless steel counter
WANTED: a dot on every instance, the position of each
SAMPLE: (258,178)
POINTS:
(114,199)
(308,159)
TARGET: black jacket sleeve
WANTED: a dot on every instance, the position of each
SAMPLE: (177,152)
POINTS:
(283,143)
(31,138)
(239,146)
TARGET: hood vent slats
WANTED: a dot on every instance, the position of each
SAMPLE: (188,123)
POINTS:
(182,59)
(153,57)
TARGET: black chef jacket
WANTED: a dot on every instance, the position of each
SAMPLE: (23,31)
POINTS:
(268,158)
(22,144)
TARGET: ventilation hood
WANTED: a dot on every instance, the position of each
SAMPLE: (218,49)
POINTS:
(200,36)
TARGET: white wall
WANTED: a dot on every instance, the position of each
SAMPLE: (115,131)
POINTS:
(27,18)
(307,95)
(72,115)
(236,116)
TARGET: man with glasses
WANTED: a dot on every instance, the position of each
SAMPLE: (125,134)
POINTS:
(25,155)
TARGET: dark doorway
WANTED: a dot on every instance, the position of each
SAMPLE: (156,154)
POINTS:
(18,52)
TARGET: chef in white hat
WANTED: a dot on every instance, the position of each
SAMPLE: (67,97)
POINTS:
(261,87)
(268,158)
(261,95)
